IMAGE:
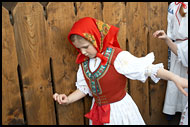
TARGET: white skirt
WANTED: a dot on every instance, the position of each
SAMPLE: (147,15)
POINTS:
(123,112)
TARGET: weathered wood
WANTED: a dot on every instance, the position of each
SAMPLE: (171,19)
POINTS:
(137,30)
(9,5)
(32,49)
(61,17)
(37,40)
(114,14)
(12,112)
(158,20)
(88,9)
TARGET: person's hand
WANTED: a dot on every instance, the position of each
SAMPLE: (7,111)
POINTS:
(61,98)
(181,83)
(160,34)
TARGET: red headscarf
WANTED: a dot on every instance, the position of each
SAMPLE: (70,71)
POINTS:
(101,35)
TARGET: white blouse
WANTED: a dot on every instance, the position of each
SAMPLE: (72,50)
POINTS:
(182,52)
(125,63)
(177,25)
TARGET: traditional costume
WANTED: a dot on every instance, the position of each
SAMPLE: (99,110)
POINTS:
(177,30)
(106,81)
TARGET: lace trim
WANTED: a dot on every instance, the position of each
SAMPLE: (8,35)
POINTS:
(151,71)
(84,89)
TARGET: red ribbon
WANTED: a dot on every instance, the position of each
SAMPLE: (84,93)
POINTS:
(103,58)
(99,114)
(183,4)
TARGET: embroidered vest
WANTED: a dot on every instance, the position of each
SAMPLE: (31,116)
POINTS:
(105,83)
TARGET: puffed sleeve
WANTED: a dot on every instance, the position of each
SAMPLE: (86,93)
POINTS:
(137,68)
(182,52)
(81,83)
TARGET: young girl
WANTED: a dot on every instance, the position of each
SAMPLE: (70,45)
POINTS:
(103,71)
(177,31)
(181,51)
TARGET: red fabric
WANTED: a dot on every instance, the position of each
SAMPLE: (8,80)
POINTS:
(112,83)
(89,25)
(112,90)
(183,4)
(99,114)
(182,39)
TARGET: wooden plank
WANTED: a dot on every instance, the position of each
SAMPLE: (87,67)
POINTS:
(12,112)
(88,9)
(9,5)
(114,14)
(33,57)
(158,20)
(137,30)
(61,17)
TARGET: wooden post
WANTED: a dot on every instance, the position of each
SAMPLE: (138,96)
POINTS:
(158,21)
(12,112)
(61,17)
(33,58)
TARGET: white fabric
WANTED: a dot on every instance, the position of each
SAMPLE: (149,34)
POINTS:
(137,68)
(184,116)
(176,30)
(175,101)
(182,53)
(124,111)
(81,83)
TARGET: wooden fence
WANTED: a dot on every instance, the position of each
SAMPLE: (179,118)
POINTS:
(37,59)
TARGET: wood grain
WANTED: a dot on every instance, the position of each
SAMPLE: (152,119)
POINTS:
(12,110)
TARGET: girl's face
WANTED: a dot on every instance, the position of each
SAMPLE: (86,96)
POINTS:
(85,47)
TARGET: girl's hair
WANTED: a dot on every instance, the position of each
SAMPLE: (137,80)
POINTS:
(181,11)
(75,37)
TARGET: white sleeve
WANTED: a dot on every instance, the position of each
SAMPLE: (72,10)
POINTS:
(81,82)
(182,52)
(137,68)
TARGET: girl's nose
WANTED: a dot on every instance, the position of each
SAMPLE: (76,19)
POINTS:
(83,51)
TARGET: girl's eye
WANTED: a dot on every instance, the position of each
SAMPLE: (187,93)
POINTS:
(85,47)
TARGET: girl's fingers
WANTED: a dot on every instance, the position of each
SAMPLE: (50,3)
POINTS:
(157,33)
(55,96)
(184,92)
(59,99)
(63,98)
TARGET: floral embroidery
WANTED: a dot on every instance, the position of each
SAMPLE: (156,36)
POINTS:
(91,38)
(93,77)
(184,116)
(103,28)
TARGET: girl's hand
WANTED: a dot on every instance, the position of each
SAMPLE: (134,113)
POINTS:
(160,34)
(55,96)
(61,98)
(181,83)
